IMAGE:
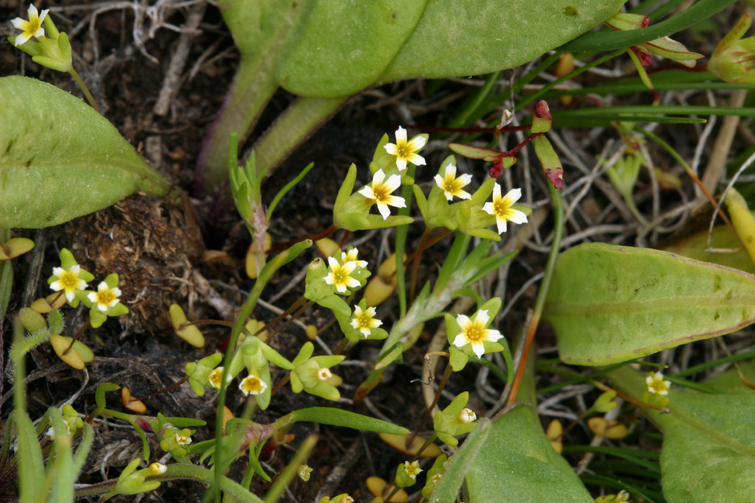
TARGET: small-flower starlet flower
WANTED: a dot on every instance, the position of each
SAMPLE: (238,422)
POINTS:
(324,374)
(412,469)
(451,185)
(467,416)
(182,439)
(406,151)
(656,384)
(339,275)
(351,256)
(252,385)
(105,297)
(381,190)
(622,497)
(365,320)
(436,478)
(501,208)
(215,378)
(68,281)
(30,28)
(475,333)
(305,472)
(157,468)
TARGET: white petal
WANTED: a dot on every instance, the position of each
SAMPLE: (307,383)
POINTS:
(460,341)
(352,282)
(43,15)
(22,39)
(115,302)
(365,331)
(514,195)
(466,179)
(81,285)
(367,192)
(464,195)
(102,287)
(478,348)
(416,159)
(383,209)
(390,148)
(519,217)
(378,177)
(394,182)
(450,170)
(56,287)
(70,295)
(102,307)
(18,23)
(400,135)
(92,297)
(58,271)
(333,263)
(348,267)
(40,32)
(448,195)
(371,311)
(463,322)
(33,12)
(376,323)
(329,279)
(116,291)
(439,181)
(74,269)
(400,163)
(493,335)
(482,317)
(488,208)
(496,192)
(501,225)
(341,288)
(417,143)
(396,202)
(355,323)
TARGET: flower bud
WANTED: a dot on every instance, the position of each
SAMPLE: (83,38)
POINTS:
(733,60)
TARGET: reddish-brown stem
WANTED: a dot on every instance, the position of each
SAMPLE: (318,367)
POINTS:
(523,359)
(507,129)
(166,390)
(513,151)
(78,334)
(327,232)
(281,383)
(443,381)
(285,313)
(288,321)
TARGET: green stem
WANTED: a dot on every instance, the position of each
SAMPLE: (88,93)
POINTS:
(558,233)
(401,233)
(85,89)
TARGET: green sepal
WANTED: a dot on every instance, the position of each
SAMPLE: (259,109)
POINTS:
(275,357)
(97,318)
(458,358)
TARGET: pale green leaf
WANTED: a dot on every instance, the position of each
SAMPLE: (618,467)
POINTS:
(59,159)
(708,441)
(338,417)
(610,304)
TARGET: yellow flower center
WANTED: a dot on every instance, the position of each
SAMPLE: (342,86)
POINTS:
(324,375)
(657,386)
(252,385)
(380,192)
(106,297)
(474,333)
(402,151)
(500,208)
(68,280)
(216,377)
(363,321)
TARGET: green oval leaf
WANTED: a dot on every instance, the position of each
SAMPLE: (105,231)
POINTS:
(59,159)
(338,417)
(708,441)
(611,304)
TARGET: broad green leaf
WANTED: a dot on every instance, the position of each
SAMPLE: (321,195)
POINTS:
(338,417)
(31,467)
(708,441)
(470,37)
(345,46)
(610,304)
(59,159)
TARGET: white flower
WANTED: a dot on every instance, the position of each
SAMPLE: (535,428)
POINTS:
(215,378)
(305,472)
(467,416)
(68,281)
(406,151)
(30,28)
(501,208)
(622,497)
(182,439)
(412,469)
(339,275)
(365,320)
(475,333)
(105,297)
(351,256)
(656,384)
(451,185)
(324,374)
(252,385)
(380,192)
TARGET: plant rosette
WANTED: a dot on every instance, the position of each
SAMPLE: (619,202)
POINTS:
(471,336)
(105,301)
(70,278)
(312,374)
(199,372)
(454,420)
(363,324)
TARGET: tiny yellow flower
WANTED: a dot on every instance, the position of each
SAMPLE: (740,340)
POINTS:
(157,468)
(105,297)
(406,151)
(467,416)
(475,333)
(339,275)
(30,28)
(324,374)
(622,497)
(305,472)
(215,379)
(656,384)
(68,281)
(436,478)
(501,208)
(182,439)
(412,469)
(351,256)
(252,385)
(451,185)
(365,320)
(380,192)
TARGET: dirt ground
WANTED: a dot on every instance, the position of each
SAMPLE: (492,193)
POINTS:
(192,254)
